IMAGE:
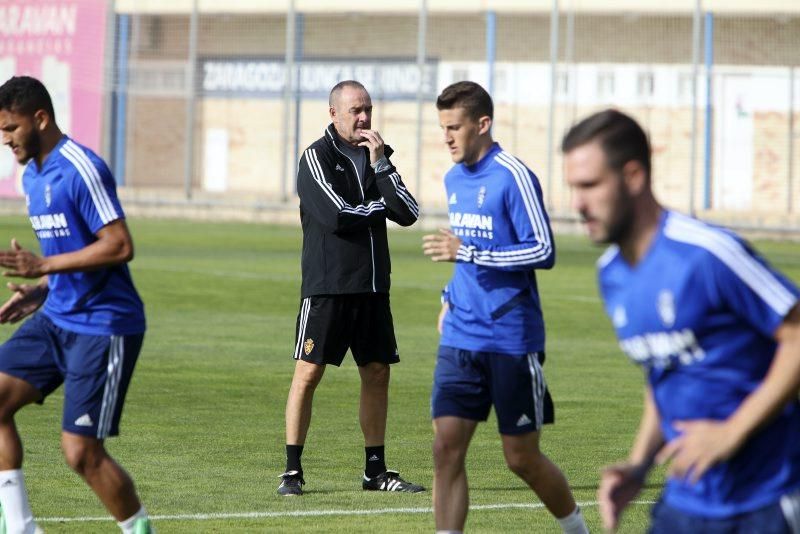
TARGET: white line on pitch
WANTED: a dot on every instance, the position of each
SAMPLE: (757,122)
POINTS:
(311,513)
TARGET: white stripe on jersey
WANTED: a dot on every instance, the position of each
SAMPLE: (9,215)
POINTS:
(529,197)
(111,388)
(316,170)
(404,195)
(301,328)
(790,506)
(610,253)
(735,257)
(85,167)
(524,256)
(319,177)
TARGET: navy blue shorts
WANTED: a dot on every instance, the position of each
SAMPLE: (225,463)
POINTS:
(466,384)
(95,371)
(666,519)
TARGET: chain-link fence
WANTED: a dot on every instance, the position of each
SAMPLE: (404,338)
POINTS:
(216,100)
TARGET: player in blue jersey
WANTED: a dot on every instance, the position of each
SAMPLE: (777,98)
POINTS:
(492,331)
(89,330)
(717,332)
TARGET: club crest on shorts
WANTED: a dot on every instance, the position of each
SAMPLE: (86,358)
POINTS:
(308,346)
(666,307)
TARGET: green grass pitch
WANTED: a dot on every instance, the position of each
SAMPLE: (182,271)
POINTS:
(203,431)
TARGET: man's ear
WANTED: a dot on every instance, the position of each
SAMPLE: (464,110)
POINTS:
(484,124)
(41,119)
(634,176)
(332,113)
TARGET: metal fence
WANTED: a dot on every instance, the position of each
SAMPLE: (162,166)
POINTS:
(219,102)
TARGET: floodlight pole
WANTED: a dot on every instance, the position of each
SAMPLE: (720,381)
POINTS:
(790,148)
(422,27)
(695,73)
(188,169)
(551,114)
(287,97)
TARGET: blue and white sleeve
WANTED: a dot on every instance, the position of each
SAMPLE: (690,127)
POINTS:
(750,287)
(535,248)
(93,189)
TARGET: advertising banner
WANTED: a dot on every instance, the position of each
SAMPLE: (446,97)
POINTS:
(62,43)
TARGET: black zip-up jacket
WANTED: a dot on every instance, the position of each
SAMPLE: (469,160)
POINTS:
(345,248)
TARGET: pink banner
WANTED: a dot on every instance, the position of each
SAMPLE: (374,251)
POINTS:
(62,43)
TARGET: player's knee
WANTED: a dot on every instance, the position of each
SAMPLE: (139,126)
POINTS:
(307,378)
(14,394)
(447,452)
(81,456)
(7,411)
(376,375)
(525,463)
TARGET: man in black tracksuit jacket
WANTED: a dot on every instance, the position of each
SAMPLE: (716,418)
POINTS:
(348,187)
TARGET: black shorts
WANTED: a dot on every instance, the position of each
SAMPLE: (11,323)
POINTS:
(328,325)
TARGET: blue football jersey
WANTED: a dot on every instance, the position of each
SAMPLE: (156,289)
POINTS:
(699,313)
(69,200)
(496,209)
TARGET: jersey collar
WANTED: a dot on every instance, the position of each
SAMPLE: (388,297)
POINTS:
(484,161)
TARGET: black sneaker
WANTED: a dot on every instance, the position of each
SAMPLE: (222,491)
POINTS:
(291,484)
(390,481)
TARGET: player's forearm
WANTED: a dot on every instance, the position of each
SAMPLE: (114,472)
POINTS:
(402,206)
(519,257)
(649,438)
(780,386)
(100,254)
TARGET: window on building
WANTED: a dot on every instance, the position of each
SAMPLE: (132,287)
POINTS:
(605,84)
(685,85)
(645,84)
(562,84)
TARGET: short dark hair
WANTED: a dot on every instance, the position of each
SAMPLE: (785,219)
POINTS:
(341,85)
(619,135)
(25,95)
(468,95)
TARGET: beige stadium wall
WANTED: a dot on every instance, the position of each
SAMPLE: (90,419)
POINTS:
(256,159)
(156,126)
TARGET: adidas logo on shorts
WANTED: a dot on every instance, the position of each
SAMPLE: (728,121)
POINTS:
(84,420)
(523,420)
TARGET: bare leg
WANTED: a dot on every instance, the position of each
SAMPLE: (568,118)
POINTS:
(14,394)
(88,457)
(450,492)
(546,480)
(374,405)
(298,406)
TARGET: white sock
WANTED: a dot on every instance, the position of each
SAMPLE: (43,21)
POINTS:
(14,500)
(573,523)
(128,524)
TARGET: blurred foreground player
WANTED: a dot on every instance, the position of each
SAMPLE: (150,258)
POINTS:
(492,346)
(90,328)
(717,332)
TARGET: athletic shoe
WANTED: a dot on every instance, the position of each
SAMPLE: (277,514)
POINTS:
(390,481)
(143,526)
(291,484)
